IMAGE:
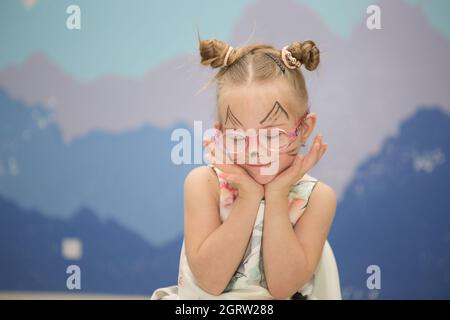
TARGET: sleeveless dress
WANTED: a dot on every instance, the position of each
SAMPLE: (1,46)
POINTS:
(249,281)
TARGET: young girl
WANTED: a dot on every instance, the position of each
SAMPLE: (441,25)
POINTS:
(250,233)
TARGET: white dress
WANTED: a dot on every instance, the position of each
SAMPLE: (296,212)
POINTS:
(248,282)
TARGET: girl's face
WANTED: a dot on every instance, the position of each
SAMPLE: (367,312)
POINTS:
(259,106)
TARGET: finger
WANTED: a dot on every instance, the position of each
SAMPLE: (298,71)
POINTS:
(215,150)
(209,151)
(316,153)
(312,156)
(294,172)
(324,149)
(319,150)
(228,168)
(298,162)
(232,168)
(209,145)
(299,166)
(206,142)
(320,141)
(231,177)
(294,169)
(222,156)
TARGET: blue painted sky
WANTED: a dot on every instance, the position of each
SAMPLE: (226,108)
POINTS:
(129,38)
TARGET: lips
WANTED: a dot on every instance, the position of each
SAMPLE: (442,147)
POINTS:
(259,165)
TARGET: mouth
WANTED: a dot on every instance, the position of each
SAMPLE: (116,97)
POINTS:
(259,165)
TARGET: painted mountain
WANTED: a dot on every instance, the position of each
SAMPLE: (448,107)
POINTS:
(396,214)
(128,176)
(114,259)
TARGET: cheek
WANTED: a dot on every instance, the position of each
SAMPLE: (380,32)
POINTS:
(284,162)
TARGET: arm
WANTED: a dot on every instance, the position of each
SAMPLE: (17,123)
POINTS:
(291,254)
(214,250)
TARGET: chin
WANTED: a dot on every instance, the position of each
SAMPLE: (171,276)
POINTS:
(259,176)
(264,179)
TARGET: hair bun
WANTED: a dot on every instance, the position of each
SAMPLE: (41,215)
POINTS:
(306,52)
(213,52)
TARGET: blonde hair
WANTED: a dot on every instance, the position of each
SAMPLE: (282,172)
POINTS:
(257,63)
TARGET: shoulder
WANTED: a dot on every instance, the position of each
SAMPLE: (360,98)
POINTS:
(319,213)
(202,179)
(324,196)
(201,174)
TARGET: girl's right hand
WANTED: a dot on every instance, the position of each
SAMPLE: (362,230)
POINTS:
(239,179)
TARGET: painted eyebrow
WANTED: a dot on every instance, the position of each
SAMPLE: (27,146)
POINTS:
(275,111)
(235,121)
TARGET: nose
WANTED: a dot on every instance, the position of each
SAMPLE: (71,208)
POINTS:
(250,143)
(253,155)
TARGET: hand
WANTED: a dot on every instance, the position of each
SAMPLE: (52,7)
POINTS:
(239,179)
(301,165)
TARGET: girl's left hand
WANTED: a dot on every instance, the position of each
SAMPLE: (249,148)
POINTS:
(301,165)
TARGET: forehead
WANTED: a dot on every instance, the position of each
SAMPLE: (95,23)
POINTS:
(251,103)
